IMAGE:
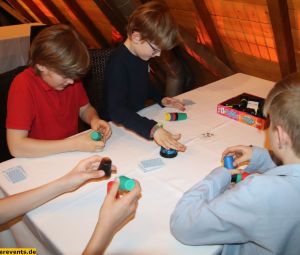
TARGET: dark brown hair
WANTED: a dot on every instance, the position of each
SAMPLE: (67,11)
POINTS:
(155,24)
(60,49)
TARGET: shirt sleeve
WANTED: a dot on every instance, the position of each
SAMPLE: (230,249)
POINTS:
(82,96)
(20,106)
(118,108)
(211,213)
(261,161)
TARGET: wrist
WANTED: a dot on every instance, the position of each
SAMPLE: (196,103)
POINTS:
(157,126)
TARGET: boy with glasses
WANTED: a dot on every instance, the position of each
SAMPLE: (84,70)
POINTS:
(150,30)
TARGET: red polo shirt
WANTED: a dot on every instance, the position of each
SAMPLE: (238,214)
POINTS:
(45,112)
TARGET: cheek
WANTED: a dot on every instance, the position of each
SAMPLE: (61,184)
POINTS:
(272,138)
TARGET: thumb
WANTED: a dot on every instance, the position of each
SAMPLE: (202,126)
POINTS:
(113,192)
(93,175)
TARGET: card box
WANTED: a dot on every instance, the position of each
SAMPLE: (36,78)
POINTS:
(233,108)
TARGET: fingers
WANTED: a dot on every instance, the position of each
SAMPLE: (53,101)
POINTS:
(99,145)
(167,140)
(241,153)
(174,103)
(136,192)
(90,160)
(235,171)
(94,174)
(112,194)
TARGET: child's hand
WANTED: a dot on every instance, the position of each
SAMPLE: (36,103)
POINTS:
(116,212)
(173,103)
(85,170)
(101,126)
(83,142)
(167,140)
(241,153)
(234,171)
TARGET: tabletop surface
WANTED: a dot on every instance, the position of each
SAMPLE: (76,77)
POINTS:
(66,223)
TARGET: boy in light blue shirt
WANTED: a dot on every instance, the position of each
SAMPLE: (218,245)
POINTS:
(261,214)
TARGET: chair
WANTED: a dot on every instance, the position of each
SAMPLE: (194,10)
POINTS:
(93,81)
(5,82)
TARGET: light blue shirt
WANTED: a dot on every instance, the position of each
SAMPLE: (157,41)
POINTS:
(260,215)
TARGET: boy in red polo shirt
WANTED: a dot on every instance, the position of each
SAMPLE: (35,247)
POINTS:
(45,100)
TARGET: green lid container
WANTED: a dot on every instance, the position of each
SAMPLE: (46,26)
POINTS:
(182,116)
(126,183)
(238,178)
(96,136)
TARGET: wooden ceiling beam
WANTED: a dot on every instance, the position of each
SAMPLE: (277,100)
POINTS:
(56,11)
(279,16)
(87,22)
(37,11)
(203,13)
(113,15)
(15,4)
(13,12)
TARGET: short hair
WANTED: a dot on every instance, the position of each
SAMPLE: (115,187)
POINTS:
(60,49)
(282,105)
(154,23)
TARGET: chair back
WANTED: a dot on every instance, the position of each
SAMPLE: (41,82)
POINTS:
(93,81)
(5,82)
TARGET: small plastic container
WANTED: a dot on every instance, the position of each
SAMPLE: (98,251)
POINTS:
(96,136)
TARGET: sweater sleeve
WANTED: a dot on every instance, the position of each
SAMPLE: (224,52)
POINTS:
(261,161)
(211,213)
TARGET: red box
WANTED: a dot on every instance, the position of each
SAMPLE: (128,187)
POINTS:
(231,108)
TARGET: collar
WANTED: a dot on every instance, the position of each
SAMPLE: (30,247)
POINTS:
(286,170)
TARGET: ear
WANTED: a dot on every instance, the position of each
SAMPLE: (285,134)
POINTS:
(136,37)
(41,68)
(283,137)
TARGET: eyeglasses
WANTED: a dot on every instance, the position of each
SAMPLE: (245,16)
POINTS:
(154,49)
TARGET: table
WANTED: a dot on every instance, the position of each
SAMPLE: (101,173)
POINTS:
(14,46)
(65,224)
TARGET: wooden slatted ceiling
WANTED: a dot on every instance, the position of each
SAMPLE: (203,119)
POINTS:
(243,25)
(279,16)
(45,11)
(84,15)
(204,14)
(247,35)
(28,10)
(15,4)
(98,18)
(185,15)
(294,13)
(244,28)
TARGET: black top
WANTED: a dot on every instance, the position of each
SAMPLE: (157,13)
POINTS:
(126,87)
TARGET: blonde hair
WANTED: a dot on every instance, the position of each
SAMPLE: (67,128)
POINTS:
(154,23)
(60,49)
(282,105)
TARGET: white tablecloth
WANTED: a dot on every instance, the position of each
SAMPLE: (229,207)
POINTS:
(65,224)
(14,46)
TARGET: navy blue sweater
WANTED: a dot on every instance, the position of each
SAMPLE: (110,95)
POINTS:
(126,87)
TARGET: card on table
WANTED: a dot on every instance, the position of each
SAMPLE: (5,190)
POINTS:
(15,174)
(148,165)
(188,102)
